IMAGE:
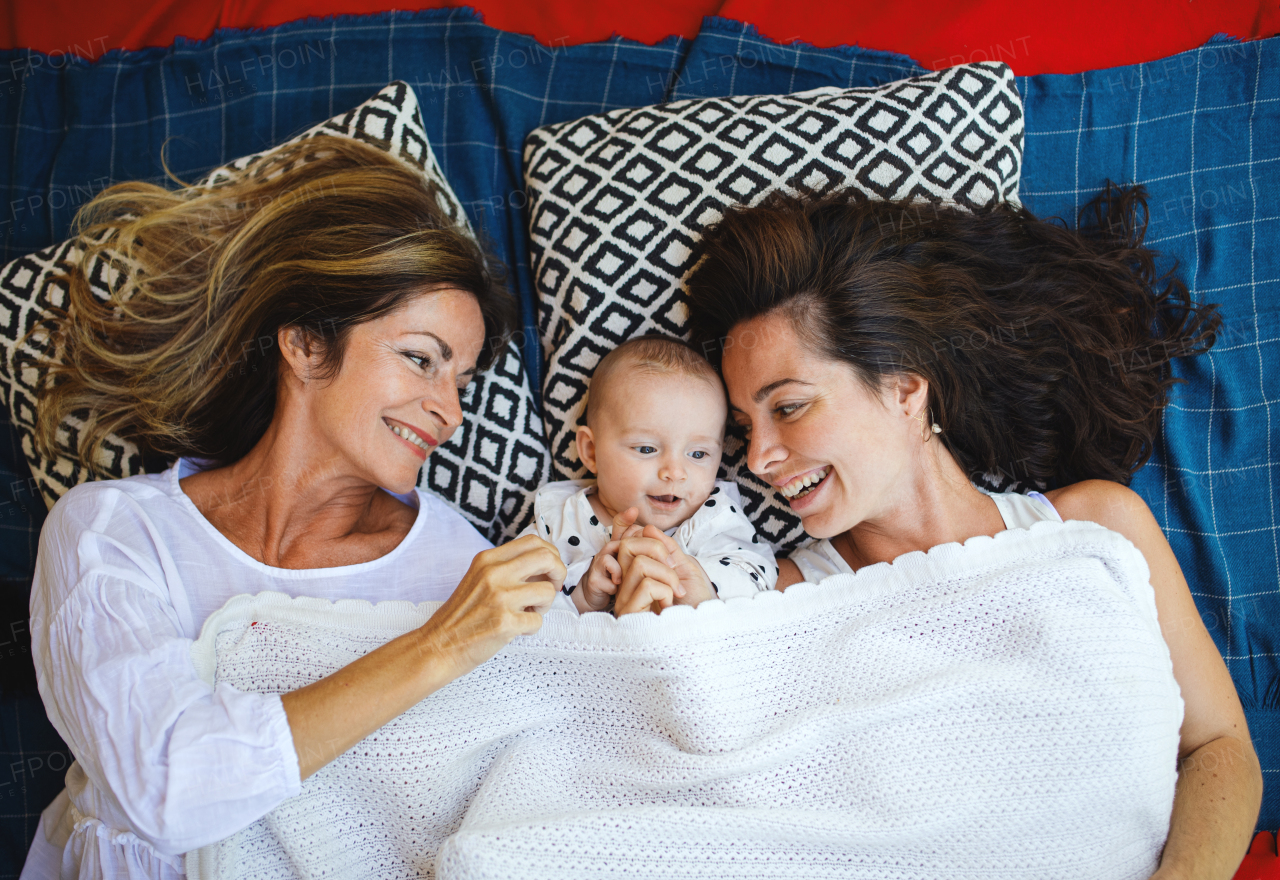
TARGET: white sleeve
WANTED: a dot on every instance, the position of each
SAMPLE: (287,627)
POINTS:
(736,561)
(188,764)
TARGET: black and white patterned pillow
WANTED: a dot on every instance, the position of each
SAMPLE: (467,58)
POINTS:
(618,201)
(488,470)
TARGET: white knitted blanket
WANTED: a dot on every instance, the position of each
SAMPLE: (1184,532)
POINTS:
(1003,708)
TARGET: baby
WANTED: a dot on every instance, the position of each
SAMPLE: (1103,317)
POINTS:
(653,437)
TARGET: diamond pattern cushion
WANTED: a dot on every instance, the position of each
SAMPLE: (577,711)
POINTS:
(618,200)
(488,470)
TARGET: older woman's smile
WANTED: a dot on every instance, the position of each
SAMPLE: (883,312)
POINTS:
(420,441)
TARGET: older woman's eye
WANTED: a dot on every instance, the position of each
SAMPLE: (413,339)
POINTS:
(788,408)
(419,360)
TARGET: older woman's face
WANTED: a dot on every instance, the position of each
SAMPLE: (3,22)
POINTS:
(810,419)
(396,396)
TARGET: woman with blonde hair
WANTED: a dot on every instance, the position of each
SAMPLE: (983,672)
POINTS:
(297,338)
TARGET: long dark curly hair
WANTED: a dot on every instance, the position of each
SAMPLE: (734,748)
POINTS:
(1047,350)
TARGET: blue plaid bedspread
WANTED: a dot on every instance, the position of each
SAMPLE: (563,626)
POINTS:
(1201,130)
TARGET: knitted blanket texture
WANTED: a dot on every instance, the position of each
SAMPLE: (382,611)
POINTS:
(1005,708)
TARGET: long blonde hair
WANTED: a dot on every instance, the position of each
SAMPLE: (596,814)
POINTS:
(182,359)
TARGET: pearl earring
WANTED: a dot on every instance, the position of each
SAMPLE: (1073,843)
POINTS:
(934,427)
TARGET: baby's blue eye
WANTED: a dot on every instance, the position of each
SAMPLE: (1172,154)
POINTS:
(645,450)
(699,455)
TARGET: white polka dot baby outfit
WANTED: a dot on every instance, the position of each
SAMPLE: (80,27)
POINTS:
(718,535)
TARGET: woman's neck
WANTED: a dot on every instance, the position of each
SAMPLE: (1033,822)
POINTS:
(293,505)
(939,506)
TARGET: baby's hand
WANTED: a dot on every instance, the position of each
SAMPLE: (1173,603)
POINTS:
(624,524)
(695,586)
(600,583)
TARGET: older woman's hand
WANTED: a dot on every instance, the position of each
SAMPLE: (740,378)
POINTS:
(657,570)
(503,595)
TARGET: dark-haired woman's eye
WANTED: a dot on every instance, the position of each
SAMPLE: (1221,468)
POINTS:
(788,409)
(419,360)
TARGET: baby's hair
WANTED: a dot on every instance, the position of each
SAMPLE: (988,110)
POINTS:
(651,353)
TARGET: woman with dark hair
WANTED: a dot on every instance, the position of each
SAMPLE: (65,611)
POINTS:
(298,338)
(879,356)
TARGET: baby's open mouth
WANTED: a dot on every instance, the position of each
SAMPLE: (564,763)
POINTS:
(665,499)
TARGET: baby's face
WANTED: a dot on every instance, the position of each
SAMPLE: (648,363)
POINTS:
(657,445)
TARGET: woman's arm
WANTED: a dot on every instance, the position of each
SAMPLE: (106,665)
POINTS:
(190,764)
(1219,779)
(503,595)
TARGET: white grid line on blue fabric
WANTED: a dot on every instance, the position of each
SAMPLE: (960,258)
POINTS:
(1256,343)
(1209,472)
(164,102)
(1161,118)
(391,49)
(900,69)
(673,62)
(1229,533)
(493,83)
(111,162)
(333,72)
(26,806)
(443,159)
(353,27)
(1195,226)
(1256,593)
(1213,511)
(791,83)
(608,80)
(13,154)
(1137,121)
(853,65)
(1076,192)
(1227,287)
(1253,272)
(1239,407)
(499,148)
(275,87)
(1211,228)
(1084,90)
(222,113)
(733,77)
(304,90)
(546,95)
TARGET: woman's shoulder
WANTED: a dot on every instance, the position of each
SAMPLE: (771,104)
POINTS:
(817,558)
(440,524)
(99,501)
(1102,501)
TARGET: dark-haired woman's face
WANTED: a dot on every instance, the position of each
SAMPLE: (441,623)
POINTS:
(396,395)
(830,446)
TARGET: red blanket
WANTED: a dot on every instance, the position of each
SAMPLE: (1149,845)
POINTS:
(1031,37)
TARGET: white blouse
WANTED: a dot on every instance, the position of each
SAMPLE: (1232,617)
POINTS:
(126,574)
